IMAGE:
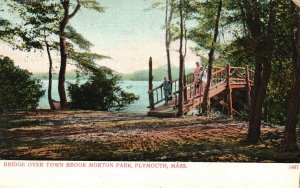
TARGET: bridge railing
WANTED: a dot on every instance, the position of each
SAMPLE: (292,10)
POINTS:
(218,78)
(241,75)
(221,76)
(158,92)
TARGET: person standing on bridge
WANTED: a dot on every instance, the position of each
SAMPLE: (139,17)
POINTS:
(197,72)
(202,79)
(167,86)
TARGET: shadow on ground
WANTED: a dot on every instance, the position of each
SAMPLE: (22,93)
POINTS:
(107,136)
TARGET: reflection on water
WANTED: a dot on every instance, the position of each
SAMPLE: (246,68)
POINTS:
(139,88)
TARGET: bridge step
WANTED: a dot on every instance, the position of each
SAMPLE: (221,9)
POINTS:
(162,114)
(224,81)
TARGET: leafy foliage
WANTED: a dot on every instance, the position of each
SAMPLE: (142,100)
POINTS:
(40,19)
(100,92)
(237,47)
(39,29)
(93,5)
(18,90)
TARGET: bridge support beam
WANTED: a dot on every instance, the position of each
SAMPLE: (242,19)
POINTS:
(217,99)
(229,91)
(229,101)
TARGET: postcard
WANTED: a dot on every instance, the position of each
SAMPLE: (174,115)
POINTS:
(149,93)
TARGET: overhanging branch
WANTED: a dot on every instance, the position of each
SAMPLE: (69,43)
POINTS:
(75,10)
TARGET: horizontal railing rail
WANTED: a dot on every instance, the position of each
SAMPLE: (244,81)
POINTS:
(221,76)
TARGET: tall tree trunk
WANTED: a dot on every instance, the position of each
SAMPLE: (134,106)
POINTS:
(181,64)
(62,71)
(263,67)
(289,142)
(169,64)
(63,55)
(184,55)
(168,19)
(52,107)
(263,52)
(63,50)
(257,100)
(211,56)
(258,95)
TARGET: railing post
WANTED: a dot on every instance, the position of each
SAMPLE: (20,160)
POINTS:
(248,86)
(229,91)
(184,85)
(194,91)
(151,97)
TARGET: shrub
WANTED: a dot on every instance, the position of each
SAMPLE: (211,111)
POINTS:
(17,89)
(100,92)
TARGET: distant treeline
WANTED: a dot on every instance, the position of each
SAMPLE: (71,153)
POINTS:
(71,75)
(158,74)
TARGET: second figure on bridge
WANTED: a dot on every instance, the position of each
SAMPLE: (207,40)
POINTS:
(197,71)
(167,86)
(200,77)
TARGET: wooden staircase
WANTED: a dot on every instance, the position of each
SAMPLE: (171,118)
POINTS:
(225,81)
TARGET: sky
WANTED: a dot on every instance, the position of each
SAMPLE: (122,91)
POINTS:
(127,32)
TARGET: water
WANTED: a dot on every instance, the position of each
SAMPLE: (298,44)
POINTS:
(139,88)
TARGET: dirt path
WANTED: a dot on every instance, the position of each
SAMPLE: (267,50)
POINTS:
(87,135)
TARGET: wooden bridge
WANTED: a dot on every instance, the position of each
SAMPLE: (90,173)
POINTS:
(229,85)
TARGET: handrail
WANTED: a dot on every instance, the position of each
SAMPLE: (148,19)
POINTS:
(241,68)
(217,68)
(158,93)
(238,79)
(220,76)
(218,71)
(173,81)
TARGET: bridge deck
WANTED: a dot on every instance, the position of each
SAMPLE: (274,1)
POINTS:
(170,109)
(220,83)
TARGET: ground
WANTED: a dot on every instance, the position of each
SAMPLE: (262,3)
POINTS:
(110,136)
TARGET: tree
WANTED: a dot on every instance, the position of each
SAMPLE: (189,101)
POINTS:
(181,61)
(18,90)
(262,34)
(169,8)
(40,20)
(168,35)
(39,29)
(289,142)
(211,56)
(186,17)
(237,48)
(100,92)
(63,49)
(66,17)
(172,32)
